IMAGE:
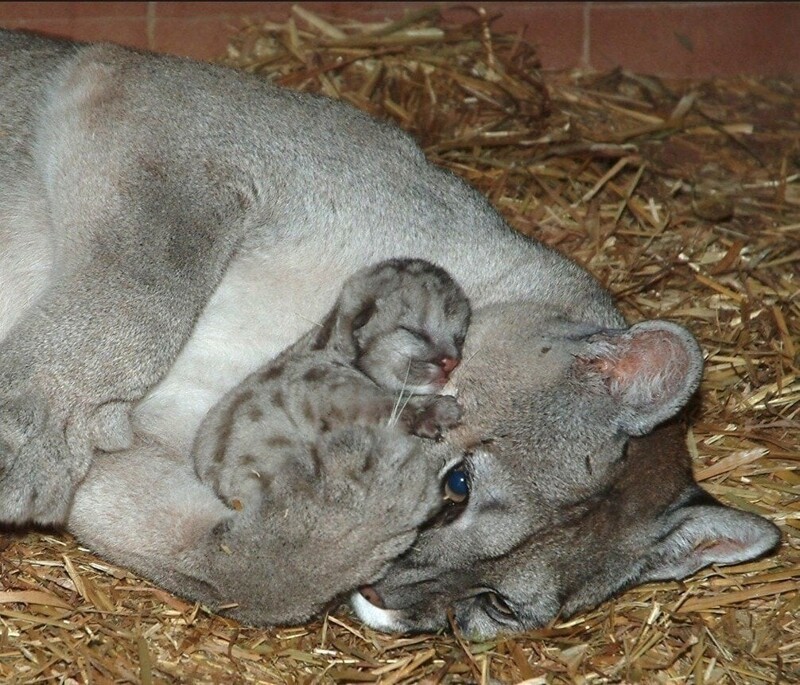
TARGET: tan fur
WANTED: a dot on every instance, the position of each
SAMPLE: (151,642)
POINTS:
(170,226)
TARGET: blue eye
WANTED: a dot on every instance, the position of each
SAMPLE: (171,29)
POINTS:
(456,485)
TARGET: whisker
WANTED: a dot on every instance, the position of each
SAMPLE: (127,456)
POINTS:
(307,320)
(395,413)
(405,404)
(471,357)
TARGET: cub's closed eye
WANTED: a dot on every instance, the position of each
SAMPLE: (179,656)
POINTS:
(420,335)
(456,485)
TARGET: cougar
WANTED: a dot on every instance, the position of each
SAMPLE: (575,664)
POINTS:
(167,227)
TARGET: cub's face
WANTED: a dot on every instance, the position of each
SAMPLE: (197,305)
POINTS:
(414,354)
(555,507)
(410,335)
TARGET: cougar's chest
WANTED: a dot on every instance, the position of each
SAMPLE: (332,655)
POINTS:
(264,303)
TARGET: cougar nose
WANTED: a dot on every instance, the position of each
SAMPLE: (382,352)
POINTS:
(448,364)
(371,595)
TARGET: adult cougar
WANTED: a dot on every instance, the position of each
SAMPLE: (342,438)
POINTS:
(168,226)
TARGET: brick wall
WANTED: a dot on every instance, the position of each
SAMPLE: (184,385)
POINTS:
(664,38)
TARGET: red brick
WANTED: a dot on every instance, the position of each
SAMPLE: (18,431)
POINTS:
(201,38)
(125,31)
(684,39)
(69,10)
(556,28)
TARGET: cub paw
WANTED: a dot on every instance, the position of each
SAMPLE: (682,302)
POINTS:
(437,415)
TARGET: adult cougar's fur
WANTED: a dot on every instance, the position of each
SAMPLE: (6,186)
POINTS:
(168,226)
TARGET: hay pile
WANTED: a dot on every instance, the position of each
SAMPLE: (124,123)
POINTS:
(684,199)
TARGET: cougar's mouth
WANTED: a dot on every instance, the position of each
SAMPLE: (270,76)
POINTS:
(371,595)
(369,608)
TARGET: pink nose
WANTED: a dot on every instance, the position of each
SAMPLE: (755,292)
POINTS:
(448,364)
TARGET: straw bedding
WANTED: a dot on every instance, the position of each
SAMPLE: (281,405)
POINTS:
(684,199)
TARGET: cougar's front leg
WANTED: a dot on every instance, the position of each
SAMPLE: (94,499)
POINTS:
(141,236)
(101,336)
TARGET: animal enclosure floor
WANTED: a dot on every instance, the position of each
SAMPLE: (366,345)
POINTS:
(684,200)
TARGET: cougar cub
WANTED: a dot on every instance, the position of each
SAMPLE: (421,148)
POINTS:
(392,338)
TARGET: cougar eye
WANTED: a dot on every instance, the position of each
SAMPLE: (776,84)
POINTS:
(499,604)
(456,485)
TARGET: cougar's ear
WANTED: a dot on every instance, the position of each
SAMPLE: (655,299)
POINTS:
(708,533)
(649,371)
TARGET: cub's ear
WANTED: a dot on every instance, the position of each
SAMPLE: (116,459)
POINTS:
(354,307)
(649,370)
(708,534)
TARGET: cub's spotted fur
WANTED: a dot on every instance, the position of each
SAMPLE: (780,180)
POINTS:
(395,332)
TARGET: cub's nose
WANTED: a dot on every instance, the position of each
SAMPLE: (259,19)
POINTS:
(371,595)
(448,364)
